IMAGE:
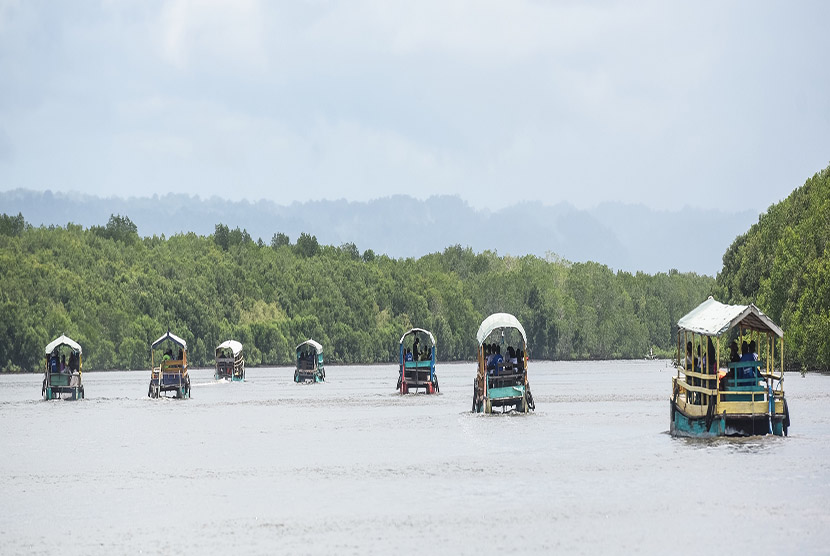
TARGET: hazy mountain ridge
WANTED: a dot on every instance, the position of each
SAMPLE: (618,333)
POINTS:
(622,236)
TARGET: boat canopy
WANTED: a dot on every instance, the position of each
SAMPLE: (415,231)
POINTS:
(713,318)
(173,338)
(233,345)
(499,320)
(411,330)
(312,343)
(64,340)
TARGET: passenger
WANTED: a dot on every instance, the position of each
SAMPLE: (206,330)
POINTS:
(734,356)
(54,366)
(491,354)
(753,350)
(63,363)
(498,359)
(745,356)
(407,355)
(511,357)
(168,355)
(181,355)
(415,348)
(689,359)
(711,356)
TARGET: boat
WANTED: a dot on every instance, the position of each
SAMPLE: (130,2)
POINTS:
(736,395)
(230,363)
(170,376)
(417,366)
(63,377)
(501,379)
(310,366)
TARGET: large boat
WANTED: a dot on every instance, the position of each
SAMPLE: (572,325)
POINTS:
(740,394)
(63,377)
(417,362)
(501,380)
(230,363)
(170,376)
(310,366)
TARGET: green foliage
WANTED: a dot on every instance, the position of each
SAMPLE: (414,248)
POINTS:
(280,240)
(115,293)
(119,228)
(782,264)
(307,245)
(12,225)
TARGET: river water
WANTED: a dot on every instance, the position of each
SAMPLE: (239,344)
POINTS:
(350,467)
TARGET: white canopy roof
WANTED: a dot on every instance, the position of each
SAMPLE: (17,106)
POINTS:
(411,330)
(63,340)
(173,338)
(233,345)
(312,343)
(713,318)
(499,320)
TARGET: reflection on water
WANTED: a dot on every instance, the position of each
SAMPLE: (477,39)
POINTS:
(350,466)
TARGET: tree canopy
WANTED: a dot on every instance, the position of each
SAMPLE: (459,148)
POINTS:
(115,292)
(782,264)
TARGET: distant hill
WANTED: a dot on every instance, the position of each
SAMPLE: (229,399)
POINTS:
(622,236)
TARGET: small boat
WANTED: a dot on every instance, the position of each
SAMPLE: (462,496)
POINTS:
(738,395)
(501,380)
(171,374)
(63,376)
(310,363)
(417,366)
(230,363)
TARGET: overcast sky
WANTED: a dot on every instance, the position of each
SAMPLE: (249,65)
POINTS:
(660,103)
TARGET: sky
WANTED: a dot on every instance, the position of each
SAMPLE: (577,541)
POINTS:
(666,104)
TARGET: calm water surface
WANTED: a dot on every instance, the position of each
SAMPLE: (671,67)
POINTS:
(351,467)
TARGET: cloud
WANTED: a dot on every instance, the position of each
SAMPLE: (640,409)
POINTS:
(203,32)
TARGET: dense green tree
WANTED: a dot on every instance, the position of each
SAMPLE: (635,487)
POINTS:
(782,264)
(115,293)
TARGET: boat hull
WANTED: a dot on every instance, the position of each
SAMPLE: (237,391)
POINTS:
(301,375)
(233,377)
(58,392)
(725,424)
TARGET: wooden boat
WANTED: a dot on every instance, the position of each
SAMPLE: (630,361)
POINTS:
(417,365)
(714,396)
(230,363)
(170,376)
(310,366)
(62,376)
(501,380)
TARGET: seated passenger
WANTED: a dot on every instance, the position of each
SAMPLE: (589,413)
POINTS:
(54,366)
(689,360)
(496,359)
(734,356)
(511,356)
(63,363)
(407,355)
(746,355)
